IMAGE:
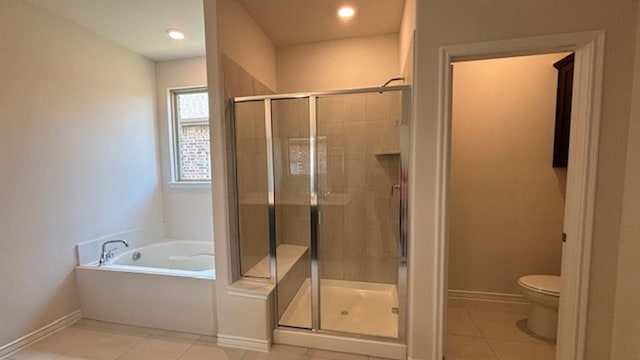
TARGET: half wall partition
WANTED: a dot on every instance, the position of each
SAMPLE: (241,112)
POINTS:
(321,206)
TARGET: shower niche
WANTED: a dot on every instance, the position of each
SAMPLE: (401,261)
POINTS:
(321,207)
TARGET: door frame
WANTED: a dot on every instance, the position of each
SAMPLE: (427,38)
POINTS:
(581,174)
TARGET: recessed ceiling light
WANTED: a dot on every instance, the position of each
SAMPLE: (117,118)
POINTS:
(175,33)
(346,12)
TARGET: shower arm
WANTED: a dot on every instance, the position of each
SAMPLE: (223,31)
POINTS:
(390,81)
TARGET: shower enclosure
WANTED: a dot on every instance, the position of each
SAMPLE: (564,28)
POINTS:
(320,184)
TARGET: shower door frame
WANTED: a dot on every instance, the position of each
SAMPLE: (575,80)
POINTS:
(312,98)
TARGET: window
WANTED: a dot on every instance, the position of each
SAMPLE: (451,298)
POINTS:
(299,157)
(191,160)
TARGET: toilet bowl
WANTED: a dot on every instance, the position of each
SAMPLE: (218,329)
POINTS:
(543,291)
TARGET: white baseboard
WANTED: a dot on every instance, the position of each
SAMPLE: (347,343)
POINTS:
(244,343)
(44,331)
(486,296)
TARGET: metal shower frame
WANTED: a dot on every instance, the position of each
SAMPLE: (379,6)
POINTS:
(312,98)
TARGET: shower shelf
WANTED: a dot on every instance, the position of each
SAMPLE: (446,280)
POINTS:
(387,152)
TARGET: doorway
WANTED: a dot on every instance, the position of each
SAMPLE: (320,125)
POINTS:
(505,205)
(580,197)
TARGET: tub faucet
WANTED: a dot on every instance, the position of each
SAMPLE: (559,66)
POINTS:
(108,254)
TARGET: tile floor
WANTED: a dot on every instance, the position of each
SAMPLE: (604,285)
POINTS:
(93,340)
(482,330)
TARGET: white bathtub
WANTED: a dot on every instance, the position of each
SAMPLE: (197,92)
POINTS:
(170,286)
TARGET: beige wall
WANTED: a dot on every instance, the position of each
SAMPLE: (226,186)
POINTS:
(242,40)
(626,326)
(506,201)
(79,155)
(407,27)
(358,62)
(442,23)
(187,211)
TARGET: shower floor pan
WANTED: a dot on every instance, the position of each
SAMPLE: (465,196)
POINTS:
(347,306)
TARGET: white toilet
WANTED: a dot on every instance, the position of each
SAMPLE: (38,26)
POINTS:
(543,291)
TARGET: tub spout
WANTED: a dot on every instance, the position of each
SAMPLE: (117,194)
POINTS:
(107,255)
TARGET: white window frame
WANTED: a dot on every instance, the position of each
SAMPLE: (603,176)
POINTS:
(174,146)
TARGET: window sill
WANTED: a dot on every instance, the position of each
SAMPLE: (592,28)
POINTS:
(190,185)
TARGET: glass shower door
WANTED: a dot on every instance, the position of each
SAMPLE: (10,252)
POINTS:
(292,169)
(358,148)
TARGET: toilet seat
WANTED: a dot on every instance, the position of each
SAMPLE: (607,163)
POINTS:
(545,284)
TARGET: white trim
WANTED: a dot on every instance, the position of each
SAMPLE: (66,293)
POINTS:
(239,342)
(41,333)
(383,349)
(486,296)
(580,198)
(189,185)
(581,179)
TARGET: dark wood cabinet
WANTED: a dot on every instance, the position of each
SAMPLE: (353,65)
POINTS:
(563,111)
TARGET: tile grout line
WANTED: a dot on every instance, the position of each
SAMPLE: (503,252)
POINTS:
(189,348)
(486,340)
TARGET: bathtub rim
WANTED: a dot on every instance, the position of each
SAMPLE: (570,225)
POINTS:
(148,270)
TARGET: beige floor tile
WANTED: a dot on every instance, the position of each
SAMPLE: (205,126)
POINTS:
(156,347)
(107,344)
(459,322)
(468,348)
(176,334)
(294,349)
(507,350)
(323,354)
(278,352)
(57,344)
(455,303)
(93,323)
(206,350)
(501,325)
(127,329)
(487,305)
(522,309)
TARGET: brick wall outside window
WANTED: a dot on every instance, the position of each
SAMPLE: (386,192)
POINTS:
(192,127)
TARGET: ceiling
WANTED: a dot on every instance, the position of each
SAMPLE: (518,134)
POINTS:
(139,25)
(288,22)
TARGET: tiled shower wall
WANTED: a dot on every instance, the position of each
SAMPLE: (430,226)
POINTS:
(358,150)
(360,221)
